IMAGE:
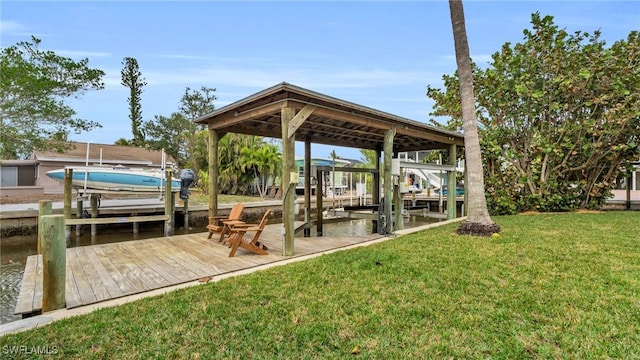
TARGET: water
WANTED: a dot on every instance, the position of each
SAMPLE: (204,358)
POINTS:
(15,250)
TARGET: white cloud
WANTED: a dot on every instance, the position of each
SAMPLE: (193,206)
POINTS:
(306,77)
(11,27)
(81,53)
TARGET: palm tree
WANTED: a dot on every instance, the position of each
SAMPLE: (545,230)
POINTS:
(478,220)
(263,160)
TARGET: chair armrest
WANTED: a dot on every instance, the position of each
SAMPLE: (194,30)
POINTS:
(242,225)
(243,229)
(233,222)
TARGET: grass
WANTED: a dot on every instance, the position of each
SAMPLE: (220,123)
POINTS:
(551,286)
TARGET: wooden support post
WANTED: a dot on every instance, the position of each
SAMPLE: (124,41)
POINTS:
(173,213)
(213,172)
(397,204)
(288,187)
(388,185)
(45,207)
(79,206)
(375,187)
(319,206)
(94,214)
(186,214)
(307,186)
(136,226)
(451,184)
(68,177)
(167,202)
(54,251)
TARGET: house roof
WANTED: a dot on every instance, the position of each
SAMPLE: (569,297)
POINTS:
(333,121)
(104,153)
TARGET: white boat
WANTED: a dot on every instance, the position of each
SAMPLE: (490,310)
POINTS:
(116,178)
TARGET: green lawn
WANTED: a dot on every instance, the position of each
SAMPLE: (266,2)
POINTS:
(551,286)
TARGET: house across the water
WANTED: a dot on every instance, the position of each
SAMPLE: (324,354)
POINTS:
(21,177)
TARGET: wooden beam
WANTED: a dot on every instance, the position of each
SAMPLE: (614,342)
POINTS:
(388,183)
(430,135)
(307,186)
(168,229)
(232,118)
(116,220)
(213,172)
(375,192)
(300,118)
(288,188)
(352,118)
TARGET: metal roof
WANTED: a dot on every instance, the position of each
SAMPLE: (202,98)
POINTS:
(332,122)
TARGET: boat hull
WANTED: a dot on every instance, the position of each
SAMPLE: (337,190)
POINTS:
(116,179)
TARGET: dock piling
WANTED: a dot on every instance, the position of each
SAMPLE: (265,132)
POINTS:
(53,261)
(45,207)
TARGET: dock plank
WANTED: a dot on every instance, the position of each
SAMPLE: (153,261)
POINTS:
(210,252)
(111,286)
(24,302)
(71,296)
(37,294)
(133,269)
(94,277)
(192,254)
(176,251)
(125,286)
(166,255)
(163,269)
(82,281)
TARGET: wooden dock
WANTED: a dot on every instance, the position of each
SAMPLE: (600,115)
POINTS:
(102,272)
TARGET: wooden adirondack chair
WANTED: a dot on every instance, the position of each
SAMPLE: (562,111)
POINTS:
(217,223)
(240,236)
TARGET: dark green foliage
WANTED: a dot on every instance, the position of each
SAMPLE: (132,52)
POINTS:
(559,115)
(132,78)
(34,85)
(178,134)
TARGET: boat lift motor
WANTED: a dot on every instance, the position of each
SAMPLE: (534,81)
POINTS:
(187,177)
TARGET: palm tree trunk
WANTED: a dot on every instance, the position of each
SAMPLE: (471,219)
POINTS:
(478,220)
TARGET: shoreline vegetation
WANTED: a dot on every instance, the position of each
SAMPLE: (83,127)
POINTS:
(549,286)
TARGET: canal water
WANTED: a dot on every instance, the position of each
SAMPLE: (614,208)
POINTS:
(15,250)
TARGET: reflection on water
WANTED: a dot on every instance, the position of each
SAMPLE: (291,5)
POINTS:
(15,250)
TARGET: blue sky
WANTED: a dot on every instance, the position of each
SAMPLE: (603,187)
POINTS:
(374,53)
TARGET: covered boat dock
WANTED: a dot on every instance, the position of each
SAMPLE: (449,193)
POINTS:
(292,113)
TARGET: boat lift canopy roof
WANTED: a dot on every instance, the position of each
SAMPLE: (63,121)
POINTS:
(332,121)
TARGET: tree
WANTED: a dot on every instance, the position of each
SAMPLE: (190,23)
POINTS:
(132,78)
(197,103)
(193,105)
(33,88)
(177,134)
(560,115)
(478,220)
(265,161)
(232,179)
(166,133)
